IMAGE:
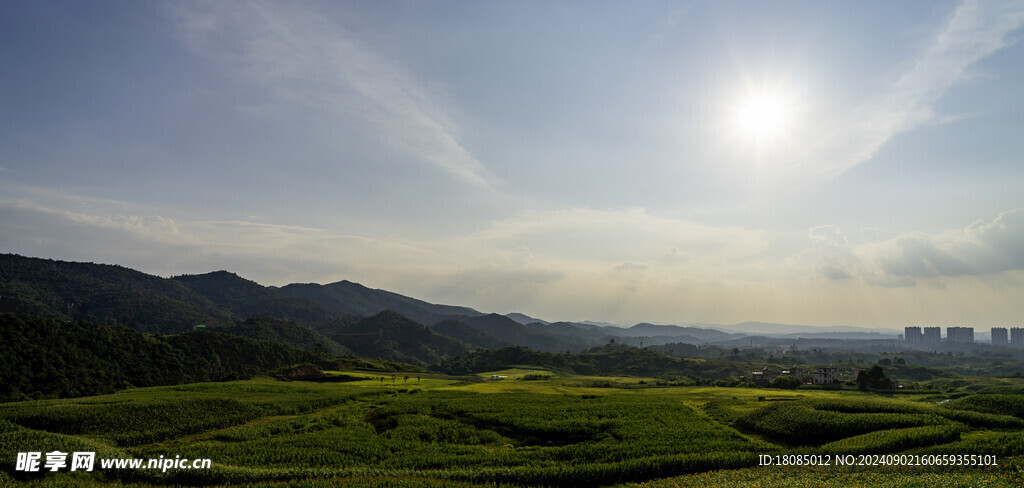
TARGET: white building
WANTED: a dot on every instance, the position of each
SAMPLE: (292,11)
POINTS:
(825,375)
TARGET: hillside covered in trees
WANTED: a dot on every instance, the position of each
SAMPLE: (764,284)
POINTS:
(55,358)
(604,360)
(102,293)
(73,329)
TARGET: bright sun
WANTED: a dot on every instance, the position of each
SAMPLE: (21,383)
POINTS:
(763,117)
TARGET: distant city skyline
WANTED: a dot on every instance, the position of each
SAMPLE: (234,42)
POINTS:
(666,162)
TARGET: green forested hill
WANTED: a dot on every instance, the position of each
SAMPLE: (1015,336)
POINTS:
(266,328)
(115,295)
(513,332)
(391,336)
(102,293)
(464,332)
(355,299)
(55,358)
(245,298)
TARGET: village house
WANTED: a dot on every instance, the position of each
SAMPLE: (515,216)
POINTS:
(762,377)
(825,375)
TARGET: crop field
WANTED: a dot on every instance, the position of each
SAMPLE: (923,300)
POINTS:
(531,428)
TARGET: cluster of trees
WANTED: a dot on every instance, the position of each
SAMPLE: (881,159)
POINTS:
(890,362)
(53,358)
(787,381)
(874,379)
(394,337)
(612,359)
(265,328)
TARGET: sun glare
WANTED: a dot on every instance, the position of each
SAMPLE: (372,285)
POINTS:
(763,117)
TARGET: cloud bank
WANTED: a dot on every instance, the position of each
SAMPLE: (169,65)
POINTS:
(623,264)
(982,248)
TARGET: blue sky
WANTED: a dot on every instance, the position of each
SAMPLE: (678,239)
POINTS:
(672,162)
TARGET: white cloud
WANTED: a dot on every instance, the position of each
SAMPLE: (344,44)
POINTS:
(980,249)
(830,249)
(301,57)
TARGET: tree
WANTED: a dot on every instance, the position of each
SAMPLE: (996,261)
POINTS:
(874,379)
(787,381)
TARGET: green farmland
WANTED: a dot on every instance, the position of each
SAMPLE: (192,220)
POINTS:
(531,428)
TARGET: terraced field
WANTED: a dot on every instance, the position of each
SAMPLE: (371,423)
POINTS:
(530,428)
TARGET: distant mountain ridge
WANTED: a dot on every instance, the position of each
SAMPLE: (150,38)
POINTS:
(518,334)
(470,335)
(115,295)
(702,334)
(525,319)
(771,329)
(355,299)
(244,298)
(389,335)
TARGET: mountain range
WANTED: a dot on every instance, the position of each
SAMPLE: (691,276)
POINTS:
(342,318)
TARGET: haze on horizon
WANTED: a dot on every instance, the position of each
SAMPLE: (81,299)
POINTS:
(671,162)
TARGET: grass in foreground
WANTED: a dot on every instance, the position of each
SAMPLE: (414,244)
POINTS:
(545,430)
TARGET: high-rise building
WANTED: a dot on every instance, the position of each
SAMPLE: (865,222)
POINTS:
(913,335)
(932,335)
(999,336)
(1017,336)
(960,334)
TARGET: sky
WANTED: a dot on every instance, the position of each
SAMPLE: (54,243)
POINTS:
(824,163)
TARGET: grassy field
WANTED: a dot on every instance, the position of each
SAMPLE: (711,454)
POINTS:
(530,428)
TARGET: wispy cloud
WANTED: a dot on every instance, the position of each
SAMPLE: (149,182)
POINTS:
(301,57)
(631,266)
(648,268)
(82,229)
(847,138)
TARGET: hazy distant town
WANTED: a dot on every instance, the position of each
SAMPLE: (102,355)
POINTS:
(1000,336)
